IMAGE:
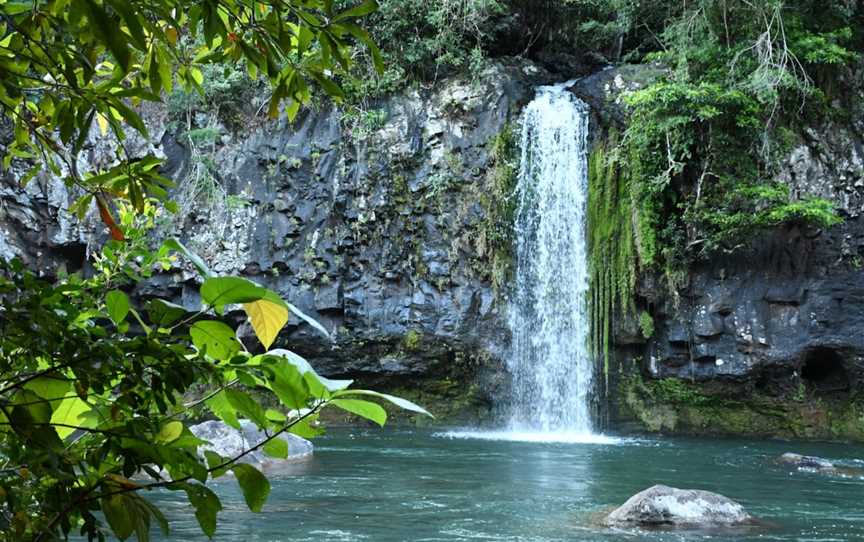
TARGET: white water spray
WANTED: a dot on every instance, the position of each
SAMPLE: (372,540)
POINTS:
(552,371)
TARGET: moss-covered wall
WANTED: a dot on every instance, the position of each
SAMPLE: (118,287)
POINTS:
(727,408)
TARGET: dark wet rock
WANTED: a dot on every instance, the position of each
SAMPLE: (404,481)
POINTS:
(376,226)
(662,506)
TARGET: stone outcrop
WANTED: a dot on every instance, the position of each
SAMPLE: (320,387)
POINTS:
(820,465)
(764,339)
(229,443)
(662,506)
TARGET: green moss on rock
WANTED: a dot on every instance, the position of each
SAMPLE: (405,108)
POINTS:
(412,340)
(674,405)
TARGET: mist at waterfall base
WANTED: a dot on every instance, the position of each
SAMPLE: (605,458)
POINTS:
(549,359)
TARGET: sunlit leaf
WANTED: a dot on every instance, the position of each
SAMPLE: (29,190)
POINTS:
(398,401)
(277,448)
(217,292)
(268,316)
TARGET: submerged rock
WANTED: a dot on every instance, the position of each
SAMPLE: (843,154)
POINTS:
(819,465)
(229,442)
(807,462)
(663,506)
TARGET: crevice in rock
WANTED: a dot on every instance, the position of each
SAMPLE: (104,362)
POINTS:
(823,370)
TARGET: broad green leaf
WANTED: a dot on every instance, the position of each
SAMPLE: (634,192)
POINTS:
(117,304)
(164,313)
(52,388)
(217,292)
(206,505)
(287,383)
(71,411)
(254,485)
(277,448)
(365,409)
(318,385)
(248,407)
(156,513)
(398,401)
(170,432)
(30,408)
(120,515)
(215,338)
(275,416)
(30,416)
(268,316)
(214,460)
(223,409)
(306,428)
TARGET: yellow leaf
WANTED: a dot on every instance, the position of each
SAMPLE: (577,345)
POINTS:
(197,75)
(69,414)
(268,319)
(170,432)
(171,34)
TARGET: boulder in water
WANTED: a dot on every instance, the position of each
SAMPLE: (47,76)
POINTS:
(663,506)
(820,465)
(229,442)
(807,462)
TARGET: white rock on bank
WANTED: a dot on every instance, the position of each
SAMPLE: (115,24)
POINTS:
(229,442)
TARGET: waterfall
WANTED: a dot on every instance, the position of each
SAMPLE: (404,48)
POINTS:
(552,370)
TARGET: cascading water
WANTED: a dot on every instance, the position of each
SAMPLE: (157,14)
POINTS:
(551,366)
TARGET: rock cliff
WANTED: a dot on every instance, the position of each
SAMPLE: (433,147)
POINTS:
(389,224)
(383,223)
(765,339)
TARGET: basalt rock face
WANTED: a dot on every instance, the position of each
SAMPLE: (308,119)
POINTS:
(381,224)
(766,339)
(377,223)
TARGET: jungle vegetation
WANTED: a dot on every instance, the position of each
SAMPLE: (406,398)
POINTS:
(92,380)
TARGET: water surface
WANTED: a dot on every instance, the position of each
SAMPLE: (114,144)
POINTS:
(422,486)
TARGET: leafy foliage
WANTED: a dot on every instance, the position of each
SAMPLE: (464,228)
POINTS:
(706,138)
(68,63)
(94,393)
(422,40)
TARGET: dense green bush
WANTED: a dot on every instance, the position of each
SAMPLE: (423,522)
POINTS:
(707,137)
(421,40)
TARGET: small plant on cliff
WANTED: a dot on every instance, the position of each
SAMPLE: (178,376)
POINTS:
(499,205)
(412,340)
(646,324)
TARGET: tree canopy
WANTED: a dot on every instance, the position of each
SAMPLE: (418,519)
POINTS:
(67,64)
(98,387)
